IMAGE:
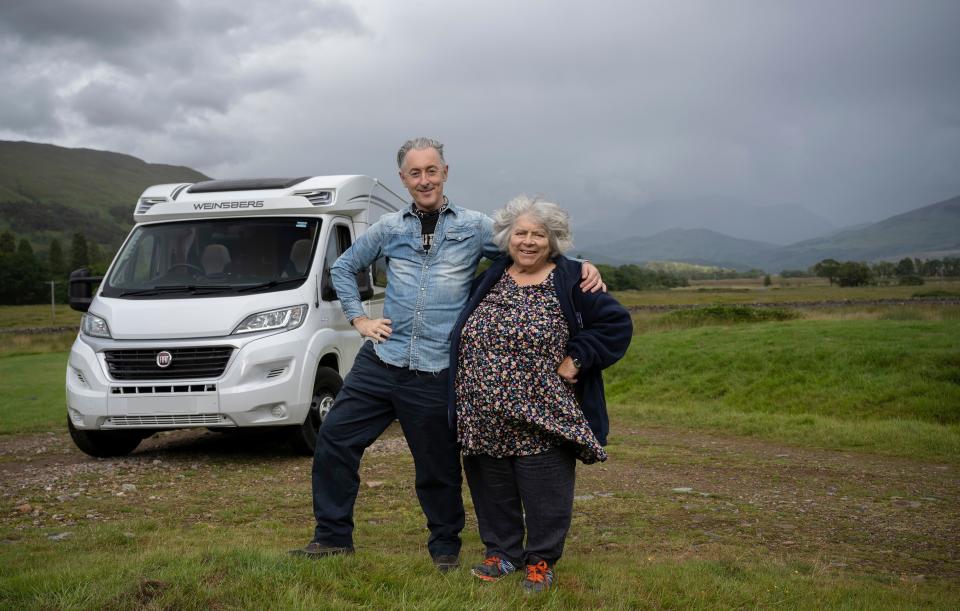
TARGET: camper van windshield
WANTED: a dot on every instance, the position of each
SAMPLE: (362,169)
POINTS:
(215,257)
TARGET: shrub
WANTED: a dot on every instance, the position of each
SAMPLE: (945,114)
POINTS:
(724,314)
(911,280)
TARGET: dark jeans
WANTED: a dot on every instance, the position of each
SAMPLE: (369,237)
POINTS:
(373,394)
(533,491)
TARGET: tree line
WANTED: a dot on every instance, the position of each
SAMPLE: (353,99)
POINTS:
(25,274)
(907,271)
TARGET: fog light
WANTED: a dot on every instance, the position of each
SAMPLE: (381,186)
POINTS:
(278,411)
(75,417)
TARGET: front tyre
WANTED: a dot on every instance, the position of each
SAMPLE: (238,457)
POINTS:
(104,444)
(326,385)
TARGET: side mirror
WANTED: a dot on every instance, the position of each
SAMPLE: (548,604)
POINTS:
(364,284)
(327,292)
(81,288)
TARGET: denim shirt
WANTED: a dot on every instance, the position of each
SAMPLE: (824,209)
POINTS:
(426,290)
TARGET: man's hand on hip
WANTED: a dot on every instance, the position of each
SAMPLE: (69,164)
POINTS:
(591,282)
(377,329)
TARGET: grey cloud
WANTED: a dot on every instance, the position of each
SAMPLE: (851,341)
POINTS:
(850,109)
(30,108)
(97,22)
(107,104)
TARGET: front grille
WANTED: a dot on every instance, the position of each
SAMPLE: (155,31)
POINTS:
(179,389)
(167,420)
(186,363)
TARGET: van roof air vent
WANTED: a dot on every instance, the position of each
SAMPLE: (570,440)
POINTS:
(317,197)
(148,202)
(249,184)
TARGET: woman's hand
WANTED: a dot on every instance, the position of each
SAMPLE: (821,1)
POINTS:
(568,371)
(377,329)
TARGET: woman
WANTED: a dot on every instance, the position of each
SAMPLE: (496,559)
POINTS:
(526,356)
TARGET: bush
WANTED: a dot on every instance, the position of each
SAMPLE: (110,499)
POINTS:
(853,273)
(724,314)
(936,293)
(911,280)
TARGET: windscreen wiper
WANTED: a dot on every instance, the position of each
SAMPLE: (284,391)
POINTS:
(270,284)
(193,289)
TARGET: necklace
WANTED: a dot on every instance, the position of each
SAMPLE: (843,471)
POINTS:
(423,213)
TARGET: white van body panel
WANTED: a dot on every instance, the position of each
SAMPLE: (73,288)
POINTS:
(268,379)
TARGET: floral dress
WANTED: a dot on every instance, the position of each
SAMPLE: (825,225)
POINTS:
(510,399)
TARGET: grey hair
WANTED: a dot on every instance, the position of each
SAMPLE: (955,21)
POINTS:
(418,144)
(552,217)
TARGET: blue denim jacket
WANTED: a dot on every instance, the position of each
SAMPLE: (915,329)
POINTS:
(426,290)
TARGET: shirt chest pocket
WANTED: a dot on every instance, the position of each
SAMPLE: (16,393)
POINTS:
(458,245)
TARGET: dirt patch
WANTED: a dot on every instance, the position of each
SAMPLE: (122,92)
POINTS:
(864,512)
(664,492)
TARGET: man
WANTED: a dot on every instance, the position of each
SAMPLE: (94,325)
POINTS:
(433,249)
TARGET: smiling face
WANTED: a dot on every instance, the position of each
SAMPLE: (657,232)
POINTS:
(423,174)
(529,244)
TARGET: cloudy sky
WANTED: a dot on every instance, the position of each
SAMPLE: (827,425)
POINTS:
(849,108)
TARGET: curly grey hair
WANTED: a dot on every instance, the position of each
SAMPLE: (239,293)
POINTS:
(552,217)
(418,144)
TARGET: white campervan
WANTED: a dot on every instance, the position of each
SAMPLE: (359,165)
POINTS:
(218,311)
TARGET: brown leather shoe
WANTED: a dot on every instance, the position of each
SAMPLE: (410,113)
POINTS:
(320,550)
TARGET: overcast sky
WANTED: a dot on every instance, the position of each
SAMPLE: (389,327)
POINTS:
(850,109)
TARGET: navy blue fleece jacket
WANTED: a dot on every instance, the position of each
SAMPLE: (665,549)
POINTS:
(600,332)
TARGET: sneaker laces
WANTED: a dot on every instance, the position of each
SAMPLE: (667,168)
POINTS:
(492,561)
(537,572)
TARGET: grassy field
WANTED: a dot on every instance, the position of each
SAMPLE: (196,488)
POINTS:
(14,317)
(807,462)
(794,289)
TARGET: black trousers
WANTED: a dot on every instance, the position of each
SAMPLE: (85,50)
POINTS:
(523,494)
(373,394)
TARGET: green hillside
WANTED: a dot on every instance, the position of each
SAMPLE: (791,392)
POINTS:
(48,191)
(930,231)
(695,246)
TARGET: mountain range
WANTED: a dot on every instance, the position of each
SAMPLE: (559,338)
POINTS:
(932,231)
(49,191)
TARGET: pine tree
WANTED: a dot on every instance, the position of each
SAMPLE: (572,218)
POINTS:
(79,257)
(8,243)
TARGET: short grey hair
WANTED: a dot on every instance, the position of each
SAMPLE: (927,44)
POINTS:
(552,217)
(418,144)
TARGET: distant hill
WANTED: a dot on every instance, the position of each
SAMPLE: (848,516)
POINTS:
(48,191)
(929,232)
(778,224)
(696,246)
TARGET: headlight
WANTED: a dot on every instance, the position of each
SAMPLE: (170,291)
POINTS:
(284,318)
(94,326)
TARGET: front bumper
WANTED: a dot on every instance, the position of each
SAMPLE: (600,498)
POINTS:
(262,385)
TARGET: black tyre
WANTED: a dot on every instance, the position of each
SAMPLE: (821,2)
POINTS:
(326,385)
(103,444)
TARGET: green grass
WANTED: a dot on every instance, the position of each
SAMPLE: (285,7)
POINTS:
(889,386)
(230,575)
(209,528)
(16,317)
(726,314)
(747,291)
(32,394)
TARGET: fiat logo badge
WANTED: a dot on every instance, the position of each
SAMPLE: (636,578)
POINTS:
(164,359)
